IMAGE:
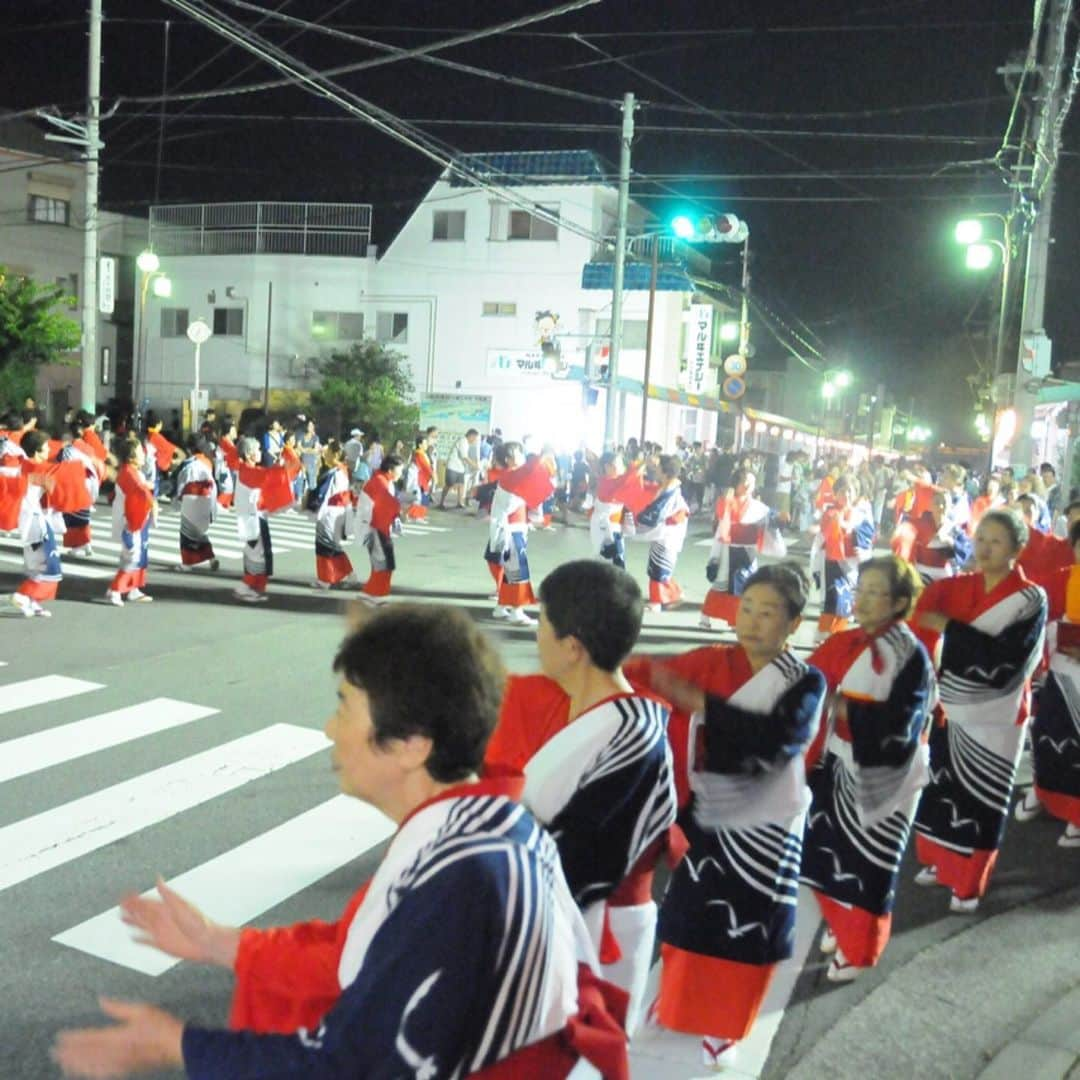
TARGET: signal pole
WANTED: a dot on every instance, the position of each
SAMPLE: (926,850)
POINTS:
(1038,253)
(88,382)
(610,434)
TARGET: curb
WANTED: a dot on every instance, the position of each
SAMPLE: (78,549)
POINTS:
(976,1002)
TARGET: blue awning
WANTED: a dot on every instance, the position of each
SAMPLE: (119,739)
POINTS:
(670,277)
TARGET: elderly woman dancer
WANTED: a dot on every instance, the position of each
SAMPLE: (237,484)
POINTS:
(867,782)
(991,623)
(744,716)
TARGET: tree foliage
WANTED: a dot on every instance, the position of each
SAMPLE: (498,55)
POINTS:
(369,385)
(32,330)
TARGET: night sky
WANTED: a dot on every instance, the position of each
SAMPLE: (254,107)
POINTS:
(851,231)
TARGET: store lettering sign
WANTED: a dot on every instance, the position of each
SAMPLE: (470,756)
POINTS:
(699,375)
(512,363)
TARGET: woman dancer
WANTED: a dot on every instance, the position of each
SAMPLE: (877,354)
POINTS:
(1055,731)
(197,489)
(875,763)
(745,715)
(379,515)
(134,512)
(334,502)
(522,487)
(663,523)
(991,623)
(845,540)
(744,527)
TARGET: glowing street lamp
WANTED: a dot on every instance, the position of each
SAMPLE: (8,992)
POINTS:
(729,331)
(979,256)
(162,287)
(828,391)
(968,231)
(842,379)
(147,262)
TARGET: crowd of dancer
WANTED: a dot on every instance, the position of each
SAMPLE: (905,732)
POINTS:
(749,769)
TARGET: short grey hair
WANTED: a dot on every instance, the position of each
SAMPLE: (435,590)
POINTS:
(1011,522)
(247,445)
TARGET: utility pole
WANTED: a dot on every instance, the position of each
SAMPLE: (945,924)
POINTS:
(653,271)
(88,383)
(610,434)
(1052,68)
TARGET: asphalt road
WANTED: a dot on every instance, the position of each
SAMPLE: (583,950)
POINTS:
(95,801)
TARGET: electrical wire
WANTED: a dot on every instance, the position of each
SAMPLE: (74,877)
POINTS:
(421,53)
(652,129)
(302,75)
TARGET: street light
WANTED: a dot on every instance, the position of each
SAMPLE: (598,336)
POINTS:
(828,391)
(149,267)
(729,331)
(980,256)
(968,231)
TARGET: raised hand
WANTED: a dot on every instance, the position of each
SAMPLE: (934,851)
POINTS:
(177,927)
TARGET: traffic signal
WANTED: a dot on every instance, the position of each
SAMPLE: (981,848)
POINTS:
(710,228)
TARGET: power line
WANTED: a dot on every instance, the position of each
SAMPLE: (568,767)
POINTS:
(317,83)
(653,129)
(422,53)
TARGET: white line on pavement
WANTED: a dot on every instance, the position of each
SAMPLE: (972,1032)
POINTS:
(71,568)
(42,690)
(53,746)
(54,837)
(239,885)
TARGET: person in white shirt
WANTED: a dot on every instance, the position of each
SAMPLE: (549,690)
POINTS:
(462,463)
(375,452)
(353,449)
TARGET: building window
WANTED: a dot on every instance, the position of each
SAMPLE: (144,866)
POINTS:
(70,285)
(392,327)
(229,321)
(448,225)
(337,325)
(50,211)
(634,332)
(524,225)
(499,307)
(174,321)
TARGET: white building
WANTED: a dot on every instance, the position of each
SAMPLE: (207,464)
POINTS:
(484,292)
(42,200)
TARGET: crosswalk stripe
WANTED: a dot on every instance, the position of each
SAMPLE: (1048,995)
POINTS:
(239,885)
(70,569)
(40,691)
(53,746)
(54,837)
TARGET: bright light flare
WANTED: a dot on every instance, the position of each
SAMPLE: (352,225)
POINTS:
(979,257)
(968,231)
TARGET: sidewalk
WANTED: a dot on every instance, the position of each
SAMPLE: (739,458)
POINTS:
(1000,1001)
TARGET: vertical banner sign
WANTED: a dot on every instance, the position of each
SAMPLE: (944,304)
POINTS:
(107,285)
(698,349)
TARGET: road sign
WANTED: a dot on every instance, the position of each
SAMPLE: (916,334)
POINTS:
(735,365)
(734,387)
(199,332)
(107,285)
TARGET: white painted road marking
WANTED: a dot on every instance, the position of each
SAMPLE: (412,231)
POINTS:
(40,691)
(53,746)
(239,885)
(55,837)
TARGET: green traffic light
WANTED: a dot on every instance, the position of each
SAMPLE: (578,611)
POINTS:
(682,227)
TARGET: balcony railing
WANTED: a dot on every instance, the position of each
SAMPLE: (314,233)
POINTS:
(258,228)
(669,250)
